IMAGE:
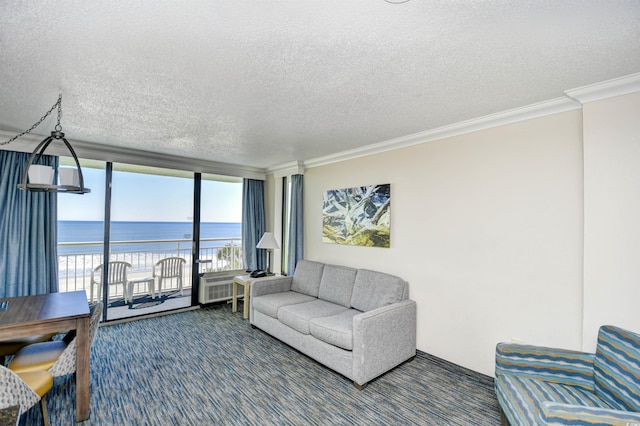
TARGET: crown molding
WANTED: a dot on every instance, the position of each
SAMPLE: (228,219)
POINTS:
(287,169)
(606,89)
(94,151)
(528,112)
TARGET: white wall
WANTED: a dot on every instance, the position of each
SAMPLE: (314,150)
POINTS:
(612,215)
(487,229)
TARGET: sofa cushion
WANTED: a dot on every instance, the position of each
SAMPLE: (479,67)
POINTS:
(269,304)
(337,284)
(375,289)
(336,330)
(528,410)
(298,316)
(306,277)
(616,368)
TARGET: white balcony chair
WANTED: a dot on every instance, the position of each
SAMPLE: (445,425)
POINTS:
(117,275)
(169,268)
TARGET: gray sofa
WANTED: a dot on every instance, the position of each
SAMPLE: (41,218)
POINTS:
(357,322)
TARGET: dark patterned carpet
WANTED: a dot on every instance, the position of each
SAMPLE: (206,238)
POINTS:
(209,367)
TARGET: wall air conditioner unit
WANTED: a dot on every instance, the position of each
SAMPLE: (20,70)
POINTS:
(217,286)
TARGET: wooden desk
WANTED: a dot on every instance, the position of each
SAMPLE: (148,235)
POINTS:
(48,313)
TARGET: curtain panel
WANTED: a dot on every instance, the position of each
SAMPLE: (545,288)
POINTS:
(28,231)
(253,223)
(295,243)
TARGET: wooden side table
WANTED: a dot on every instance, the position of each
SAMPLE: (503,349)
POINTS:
(245,281)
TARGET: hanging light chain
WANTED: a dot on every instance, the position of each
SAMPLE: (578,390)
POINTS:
(58,126)
(44,117)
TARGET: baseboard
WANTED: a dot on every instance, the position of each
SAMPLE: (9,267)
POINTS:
(147,316)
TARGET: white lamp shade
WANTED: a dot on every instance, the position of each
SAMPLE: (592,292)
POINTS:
(268,241)
(39,174)
(68,176)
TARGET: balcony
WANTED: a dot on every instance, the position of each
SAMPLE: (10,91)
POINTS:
(76,260)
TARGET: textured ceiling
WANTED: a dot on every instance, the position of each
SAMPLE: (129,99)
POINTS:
(267,82)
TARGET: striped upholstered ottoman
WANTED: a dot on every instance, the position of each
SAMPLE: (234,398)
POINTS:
(545,386)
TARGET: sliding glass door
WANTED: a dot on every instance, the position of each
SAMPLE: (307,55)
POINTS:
(151,232)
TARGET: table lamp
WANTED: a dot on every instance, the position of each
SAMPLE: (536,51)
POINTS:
(268,242)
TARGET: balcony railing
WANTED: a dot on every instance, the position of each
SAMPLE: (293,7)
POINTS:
(76,260)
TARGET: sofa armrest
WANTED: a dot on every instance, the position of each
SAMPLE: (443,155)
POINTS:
(566,414)
(270,285)
(383,338)
(548,364)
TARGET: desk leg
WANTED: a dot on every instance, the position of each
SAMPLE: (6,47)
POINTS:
(234,297)
(82,369)
(245,301)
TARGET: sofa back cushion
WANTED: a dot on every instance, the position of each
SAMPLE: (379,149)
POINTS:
(616,368)
(375,289)
(337,284)
(306,277)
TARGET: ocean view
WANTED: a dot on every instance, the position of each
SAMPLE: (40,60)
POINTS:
(141,244)
(93,231)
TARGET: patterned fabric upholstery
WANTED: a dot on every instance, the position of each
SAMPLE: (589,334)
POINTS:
(14,391)
(617,368)
(537,362)
(546,386)
(66,363)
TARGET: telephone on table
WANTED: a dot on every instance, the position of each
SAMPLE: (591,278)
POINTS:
(258,273)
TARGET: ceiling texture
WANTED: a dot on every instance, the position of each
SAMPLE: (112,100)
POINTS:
(262,83)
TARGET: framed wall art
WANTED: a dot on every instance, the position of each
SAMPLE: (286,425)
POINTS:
(357,216)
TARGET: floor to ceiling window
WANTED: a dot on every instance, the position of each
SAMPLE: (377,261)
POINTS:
(151,231)
(81,230)
(220,223)
(150,235)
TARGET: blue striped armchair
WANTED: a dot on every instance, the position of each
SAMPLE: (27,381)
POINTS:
(545,386)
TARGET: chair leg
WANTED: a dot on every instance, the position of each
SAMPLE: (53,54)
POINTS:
(180,285)
(43,409)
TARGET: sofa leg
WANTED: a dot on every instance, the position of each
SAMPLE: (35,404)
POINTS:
(360,387)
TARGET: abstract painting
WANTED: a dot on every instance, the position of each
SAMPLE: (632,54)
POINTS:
(357,216)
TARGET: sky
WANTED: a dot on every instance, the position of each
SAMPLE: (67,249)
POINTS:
(140,197)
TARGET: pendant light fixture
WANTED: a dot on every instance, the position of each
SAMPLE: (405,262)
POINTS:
(39,178)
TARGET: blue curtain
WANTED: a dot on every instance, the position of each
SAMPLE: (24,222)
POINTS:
(252,223)
(295,244)
(28,231)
